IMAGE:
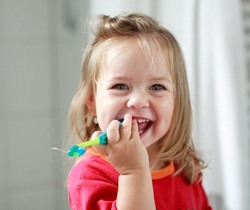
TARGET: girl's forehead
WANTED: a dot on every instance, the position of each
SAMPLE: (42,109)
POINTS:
(128,50)
(122,58)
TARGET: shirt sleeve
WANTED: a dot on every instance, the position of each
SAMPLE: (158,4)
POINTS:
(92,184)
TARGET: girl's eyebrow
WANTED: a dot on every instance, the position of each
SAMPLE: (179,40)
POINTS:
(162,78)
(118,78)
(153,79)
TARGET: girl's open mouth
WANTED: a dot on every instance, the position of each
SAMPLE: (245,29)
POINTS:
(143,125)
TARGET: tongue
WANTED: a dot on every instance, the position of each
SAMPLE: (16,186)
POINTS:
(142,126)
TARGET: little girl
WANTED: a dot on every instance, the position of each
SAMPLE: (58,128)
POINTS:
(133,70)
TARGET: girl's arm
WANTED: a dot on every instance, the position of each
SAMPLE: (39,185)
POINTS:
(135,191)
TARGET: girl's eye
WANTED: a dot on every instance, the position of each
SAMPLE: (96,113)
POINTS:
(157,87)
(120,86)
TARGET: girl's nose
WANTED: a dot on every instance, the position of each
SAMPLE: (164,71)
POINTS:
(138,101)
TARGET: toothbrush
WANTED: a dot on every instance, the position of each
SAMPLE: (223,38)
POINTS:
(78,150)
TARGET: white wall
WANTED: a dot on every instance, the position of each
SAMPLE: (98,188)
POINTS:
(40,55)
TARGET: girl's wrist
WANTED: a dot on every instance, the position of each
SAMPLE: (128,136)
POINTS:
(139,172)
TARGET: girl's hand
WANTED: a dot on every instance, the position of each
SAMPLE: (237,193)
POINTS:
(125,151)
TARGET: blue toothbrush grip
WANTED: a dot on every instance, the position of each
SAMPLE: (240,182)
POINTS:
(103,138)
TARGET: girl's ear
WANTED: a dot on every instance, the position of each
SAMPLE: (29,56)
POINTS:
(90,102)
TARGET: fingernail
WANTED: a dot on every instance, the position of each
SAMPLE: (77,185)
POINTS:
(127,115)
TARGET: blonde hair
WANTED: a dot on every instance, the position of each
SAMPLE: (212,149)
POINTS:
(177,144)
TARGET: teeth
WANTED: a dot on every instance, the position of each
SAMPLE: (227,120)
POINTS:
(142,120)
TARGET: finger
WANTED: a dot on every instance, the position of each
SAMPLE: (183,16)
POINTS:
(126,127)
(98,148)
(96,134)
(113,132)
(134,130)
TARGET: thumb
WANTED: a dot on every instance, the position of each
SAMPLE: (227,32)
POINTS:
(95,134)
(98,148)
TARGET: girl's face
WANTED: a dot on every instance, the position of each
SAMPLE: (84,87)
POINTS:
(130,83)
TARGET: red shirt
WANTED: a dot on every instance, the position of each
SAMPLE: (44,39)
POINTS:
(93,185)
